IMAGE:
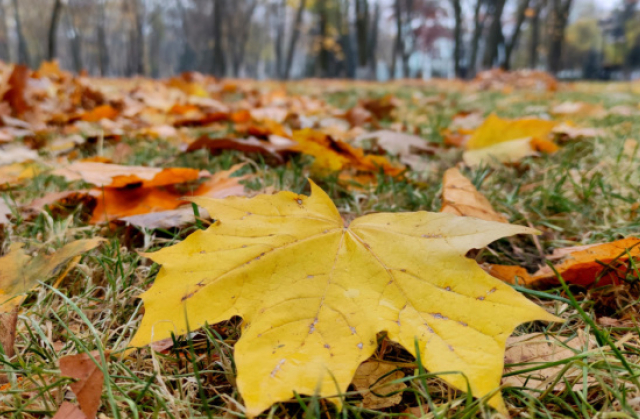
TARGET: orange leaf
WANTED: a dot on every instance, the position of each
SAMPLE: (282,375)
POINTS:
(15,96)
(99,113)
(582,265)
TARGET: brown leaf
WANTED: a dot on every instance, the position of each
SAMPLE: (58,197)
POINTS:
(460,197)
(16,95)
(8,323)
(246,145)
(377,376)
(88,388)
(69,411)
(538,349)
(396,143)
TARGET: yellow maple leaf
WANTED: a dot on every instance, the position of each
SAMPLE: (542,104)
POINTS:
(19,272)
(495,130)
(313,294)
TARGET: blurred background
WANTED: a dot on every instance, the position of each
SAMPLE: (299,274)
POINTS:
(361,39)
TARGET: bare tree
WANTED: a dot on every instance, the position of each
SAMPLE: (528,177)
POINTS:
(534,42)
(295,34)
(23,49)
(103,51)
(479,20)
(4,34)
(75,39)
(53,29)
(219,66)
(457,37)
(495,36)
(520,17)
(559,16)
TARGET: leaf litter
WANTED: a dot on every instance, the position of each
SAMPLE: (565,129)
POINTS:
(386,153)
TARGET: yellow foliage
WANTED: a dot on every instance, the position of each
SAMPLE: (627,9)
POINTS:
(314,294)
(496,130)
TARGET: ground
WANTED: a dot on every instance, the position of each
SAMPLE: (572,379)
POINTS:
(586,192)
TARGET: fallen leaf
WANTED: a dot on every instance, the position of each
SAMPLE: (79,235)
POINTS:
(99,113)
(582,265)
(220,185)
(8,323)
(117,176)
(376,377)
(19,272)
(16,153)
(569,132)
(535,349)
(17,172)
(119,203)
(90,378)
(16,95)
(336,155)
(396,143)
(496,130)
(69,411)
(287,264)
(508,152)
(460,197)
(246,145)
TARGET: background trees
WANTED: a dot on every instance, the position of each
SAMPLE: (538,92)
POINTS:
(366,39)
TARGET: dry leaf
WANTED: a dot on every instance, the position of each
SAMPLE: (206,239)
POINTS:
(15,96)
(69,411)
(496,130)
(118,203)
(246,145)
(376,377)
(90,378)
(19,272)
(460,197)
(335,155)
(569,132)
(287,264)
(539,349)
(508,152)
(582,265)
(16,154)
(117,176)
(396,143)
(8,323)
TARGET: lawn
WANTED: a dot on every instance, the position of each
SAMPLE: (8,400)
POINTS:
(587,192)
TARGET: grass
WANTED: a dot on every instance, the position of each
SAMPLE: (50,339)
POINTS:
(585,193)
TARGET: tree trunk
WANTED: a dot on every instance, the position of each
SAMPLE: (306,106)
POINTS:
(140,44)
(295,34)
(373,43)
(238,50)
(53,30)
(75,41)
(558,22)
(362,31)
(281,15)
(457,37)
(478,28)
(5,53)
(324,55)
(103,52)
(23,49)
(405,52)
(398,45)
(495,35)
(535,34)
(520,16)
(219,64)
